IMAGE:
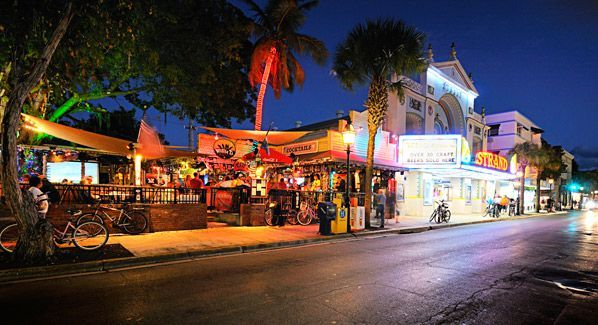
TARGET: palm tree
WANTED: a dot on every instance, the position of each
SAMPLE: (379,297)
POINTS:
(526,154)
(274,57)
(371,54)
(542,158)
(553,168)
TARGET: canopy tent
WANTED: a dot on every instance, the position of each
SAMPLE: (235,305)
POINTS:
(273,156)
(276,138)
(145,147)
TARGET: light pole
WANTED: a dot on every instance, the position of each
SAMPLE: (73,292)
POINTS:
(348,140)
(551,182)
(521,194)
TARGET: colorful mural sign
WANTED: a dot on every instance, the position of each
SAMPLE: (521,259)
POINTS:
(491,160)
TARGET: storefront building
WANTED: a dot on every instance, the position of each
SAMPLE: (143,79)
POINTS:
(505,131)
(443,142)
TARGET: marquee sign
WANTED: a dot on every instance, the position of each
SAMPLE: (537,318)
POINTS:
(430,151)
(491,160)
(301,148)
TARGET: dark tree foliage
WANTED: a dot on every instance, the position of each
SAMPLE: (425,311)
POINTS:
(185,57)
(120,123)
(202,57)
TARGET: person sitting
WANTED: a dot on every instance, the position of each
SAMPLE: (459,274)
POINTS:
(39,197)
(282,184)
(50,190)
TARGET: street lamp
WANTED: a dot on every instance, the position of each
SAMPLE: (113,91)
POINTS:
(348,140)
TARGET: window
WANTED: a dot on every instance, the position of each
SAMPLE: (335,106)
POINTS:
(430,90)
(493,130)
(520,129)
(415,104)
(477,130)
(477,145)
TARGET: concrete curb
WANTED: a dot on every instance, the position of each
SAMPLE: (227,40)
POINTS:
(11,275)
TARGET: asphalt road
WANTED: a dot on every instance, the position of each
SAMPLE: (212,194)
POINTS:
(532,271)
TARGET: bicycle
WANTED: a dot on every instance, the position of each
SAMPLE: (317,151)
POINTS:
(492,210)
(87,236)
(441,213)
(307,213)
(131,221)
(286,211)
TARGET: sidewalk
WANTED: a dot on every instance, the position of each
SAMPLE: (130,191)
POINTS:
(151,248)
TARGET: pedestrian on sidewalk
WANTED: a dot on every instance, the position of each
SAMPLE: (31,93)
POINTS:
(381,199)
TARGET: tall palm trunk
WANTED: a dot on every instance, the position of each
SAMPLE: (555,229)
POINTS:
(262,92)
(538,179)
(369,171)
(35,235)
(377,105)
(557,190)
(522,193)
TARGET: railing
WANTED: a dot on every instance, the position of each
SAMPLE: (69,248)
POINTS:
(228,199)
(86,194)
(296,197)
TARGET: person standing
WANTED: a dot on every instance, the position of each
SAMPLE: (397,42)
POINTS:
(381,199)
(504,202)
(196,183)
(316,185)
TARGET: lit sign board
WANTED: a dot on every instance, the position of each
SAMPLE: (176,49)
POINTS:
(301,148)
(491,160)
(425,151)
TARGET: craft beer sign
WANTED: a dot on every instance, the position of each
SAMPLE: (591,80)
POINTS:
(430,151)
(301,148)
(491,160)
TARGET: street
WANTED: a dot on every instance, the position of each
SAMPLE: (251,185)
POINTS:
(540,270)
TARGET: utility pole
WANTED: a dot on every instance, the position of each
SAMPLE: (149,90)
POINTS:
(191,129)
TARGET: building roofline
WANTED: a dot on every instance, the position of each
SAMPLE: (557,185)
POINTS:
(516,112)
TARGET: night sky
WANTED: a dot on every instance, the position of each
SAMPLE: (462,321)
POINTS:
(537,57)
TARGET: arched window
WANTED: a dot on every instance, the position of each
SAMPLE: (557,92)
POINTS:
(477,145)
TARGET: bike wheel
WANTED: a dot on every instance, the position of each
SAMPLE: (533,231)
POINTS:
(134,222)
(89,217)
(433,216)
(292,217)
(304,218)
(8,238)
(447,216)
(90,236)
(268,215)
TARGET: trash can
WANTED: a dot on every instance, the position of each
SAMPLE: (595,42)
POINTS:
(326,213)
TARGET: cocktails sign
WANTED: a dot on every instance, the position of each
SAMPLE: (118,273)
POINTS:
(491,160)
(301,148)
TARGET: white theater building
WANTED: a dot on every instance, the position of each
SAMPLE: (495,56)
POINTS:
(443,142)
